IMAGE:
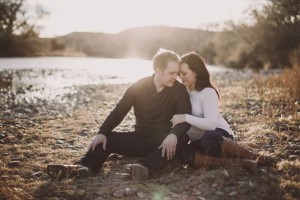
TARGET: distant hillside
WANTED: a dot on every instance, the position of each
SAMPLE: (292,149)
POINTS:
(136,42)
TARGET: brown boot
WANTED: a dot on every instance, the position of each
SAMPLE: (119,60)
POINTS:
(137,171)
(233,149)
(201,160)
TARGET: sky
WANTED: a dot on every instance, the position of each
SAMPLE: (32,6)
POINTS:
(112,16)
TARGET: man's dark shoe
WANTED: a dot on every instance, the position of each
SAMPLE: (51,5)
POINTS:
(137,171)
(59,171)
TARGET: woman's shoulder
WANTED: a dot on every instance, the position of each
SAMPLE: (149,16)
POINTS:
(208,91)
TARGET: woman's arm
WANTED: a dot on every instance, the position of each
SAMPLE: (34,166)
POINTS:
(210,106)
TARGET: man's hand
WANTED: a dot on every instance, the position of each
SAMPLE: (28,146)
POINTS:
(169,146)
(177,119)
(98,139)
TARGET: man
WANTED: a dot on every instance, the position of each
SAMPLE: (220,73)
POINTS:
(155,100)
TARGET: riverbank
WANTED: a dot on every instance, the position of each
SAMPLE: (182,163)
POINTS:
(262,109)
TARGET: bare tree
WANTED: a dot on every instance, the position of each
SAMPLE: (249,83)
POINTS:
(16,26)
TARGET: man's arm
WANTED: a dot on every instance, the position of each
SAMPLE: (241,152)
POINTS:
(183,106)
(117,115)
(113,119)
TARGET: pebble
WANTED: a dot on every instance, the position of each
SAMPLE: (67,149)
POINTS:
(80,192)
(14,164)
(124,192)
(201,198)
(297,152)
(39,173)
(4,177)
(219,193)
(234,193)
(293,157)
(294,147)
(59,141)
(225,173)
(141,195)
(214,185)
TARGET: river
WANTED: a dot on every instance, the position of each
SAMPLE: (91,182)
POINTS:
(43,77)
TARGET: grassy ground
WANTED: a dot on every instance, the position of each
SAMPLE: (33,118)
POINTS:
(262,109)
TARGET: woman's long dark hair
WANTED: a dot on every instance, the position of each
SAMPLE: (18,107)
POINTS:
(197,65)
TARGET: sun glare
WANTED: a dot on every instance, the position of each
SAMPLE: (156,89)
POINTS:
(112,16)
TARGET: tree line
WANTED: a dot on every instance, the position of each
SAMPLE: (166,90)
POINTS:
(272,39)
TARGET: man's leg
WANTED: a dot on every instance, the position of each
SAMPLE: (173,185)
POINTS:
(154,161)
(125,143)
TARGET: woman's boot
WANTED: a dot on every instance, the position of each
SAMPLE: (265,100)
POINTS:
(233,149)
(201,160)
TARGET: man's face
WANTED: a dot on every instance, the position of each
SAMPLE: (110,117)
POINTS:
(168,76)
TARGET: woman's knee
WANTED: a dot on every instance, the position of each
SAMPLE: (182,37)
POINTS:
(211,145)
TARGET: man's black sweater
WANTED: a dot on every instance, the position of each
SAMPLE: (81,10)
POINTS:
(153,111)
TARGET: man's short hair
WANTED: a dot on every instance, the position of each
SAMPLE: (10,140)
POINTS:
(162,57)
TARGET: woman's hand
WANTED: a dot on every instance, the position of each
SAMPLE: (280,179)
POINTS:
(177,119)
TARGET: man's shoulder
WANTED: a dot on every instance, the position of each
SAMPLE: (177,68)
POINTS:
(141,82)
(179,89)
(179,85)
(144,80)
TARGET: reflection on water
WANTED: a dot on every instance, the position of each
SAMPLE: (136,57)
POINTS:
(52,77)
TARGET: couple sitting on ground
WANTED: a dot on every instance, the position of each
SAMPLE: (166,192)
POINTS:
(168,115)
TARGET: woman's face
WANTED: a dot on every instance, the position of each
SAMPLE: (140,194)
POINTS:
(187,76)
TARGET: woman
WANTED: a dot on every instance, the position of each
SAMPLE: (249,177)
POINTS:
(210,135)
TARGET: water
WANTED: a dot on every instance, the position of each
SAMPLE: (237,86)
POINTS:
(44,77)
(82,70)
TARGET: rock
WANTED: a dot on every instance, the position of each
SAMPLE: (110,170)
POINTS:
(4,177)
(201,198)
(234,193)
(225,173)
(124,176)
(119,193)
(39,173)
(141,195)
(2,135)
(294,147)
(293,157)
(297,152)
(219,193)
(59,142)
(214,185)
(14,164)
(124,192)
(80,192)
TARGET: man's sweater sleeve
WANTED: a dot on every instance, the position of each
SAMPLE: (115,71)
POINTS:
(183,106)
(117,115)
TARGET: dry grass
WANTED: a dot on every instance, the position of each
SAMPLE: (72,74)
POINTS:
(262,110)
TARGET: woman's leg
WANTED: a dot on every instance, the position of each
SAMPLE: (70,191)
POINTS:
(216,147)
(233,149)
(201,160)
